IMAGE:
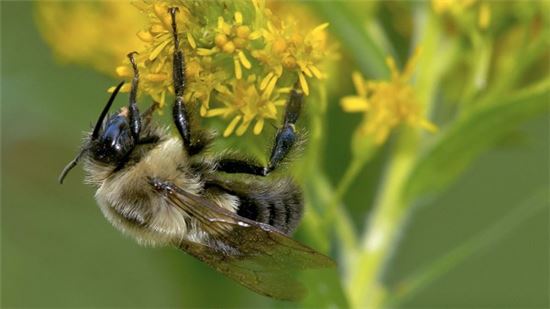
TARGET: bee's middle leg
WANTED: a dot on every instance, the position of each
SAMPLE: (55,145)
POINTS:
(180,112)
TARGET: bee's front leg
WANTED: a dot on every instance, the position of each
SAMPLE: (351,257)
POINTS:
(135,120)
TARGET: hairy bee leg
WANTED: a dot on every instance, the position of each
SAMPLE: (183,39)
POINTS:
(180,113)
(135,120)
(284,141)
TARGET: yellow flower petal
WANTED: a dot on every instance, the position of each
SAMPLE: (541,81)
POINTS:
(238,70)
(359,84)
(244,60)
(354,104)
(266,80)
(242,128)
(279,70)
(124,71)
(231,127)
(303,83)
(411,64)
(319,28)
(145,36)
(191,40)
(423,123)
(217,112)
(206,51)
(254,35)
(158,49)
(306,70)
(238,18)
(125,88)
(316,72)
(258,126)
(270,87)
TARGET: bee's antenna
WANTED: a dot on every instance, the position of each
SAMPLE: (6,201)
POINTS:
(105,110)
(70,166)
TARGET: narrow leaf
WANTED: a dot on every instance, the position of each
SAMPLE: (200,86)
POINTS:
(470,136)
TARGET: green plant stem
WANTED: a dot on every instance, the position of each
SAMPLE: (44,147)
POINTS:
(384,225)
(390,209)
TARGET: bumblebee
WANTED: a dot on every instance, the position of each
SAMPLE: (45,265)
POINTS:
(168,191)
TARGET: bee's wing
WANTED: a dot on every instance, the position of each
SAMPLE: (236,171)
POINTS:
(254,254)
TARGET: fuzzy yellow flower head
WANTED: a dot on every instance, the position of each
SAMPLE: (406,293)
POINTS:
(245,101)
(230,47)
(387,104)
(289,49)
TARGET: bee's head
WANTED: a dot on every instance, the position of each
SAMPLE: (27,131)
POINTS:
(111,140)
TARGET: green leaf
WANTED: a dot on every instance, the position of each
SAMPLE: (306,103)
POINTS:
(349,28)
(470,136)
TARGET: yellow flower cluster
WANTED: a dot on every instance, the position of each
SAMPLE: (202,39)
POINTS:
(240,58)
(386,104)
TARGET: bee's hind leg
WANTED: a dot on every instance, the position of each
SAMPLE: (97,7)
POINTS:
(284,141)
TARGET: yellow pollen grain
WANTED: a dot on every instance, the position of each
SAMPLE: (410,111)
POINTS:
(228,47)
(239,43)
(243,32)
(289,62)
(279,46)
(220,40)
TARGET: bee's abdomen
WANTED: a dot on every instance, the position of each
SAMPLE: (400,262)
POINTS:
(278,203)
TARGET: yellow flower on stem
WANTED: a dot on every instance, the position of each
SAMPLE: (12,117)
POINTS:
(289,49)
(387,104)
(244,103)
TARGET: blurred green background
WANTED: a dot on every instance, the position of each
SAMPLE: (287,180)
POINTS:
(59,251)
